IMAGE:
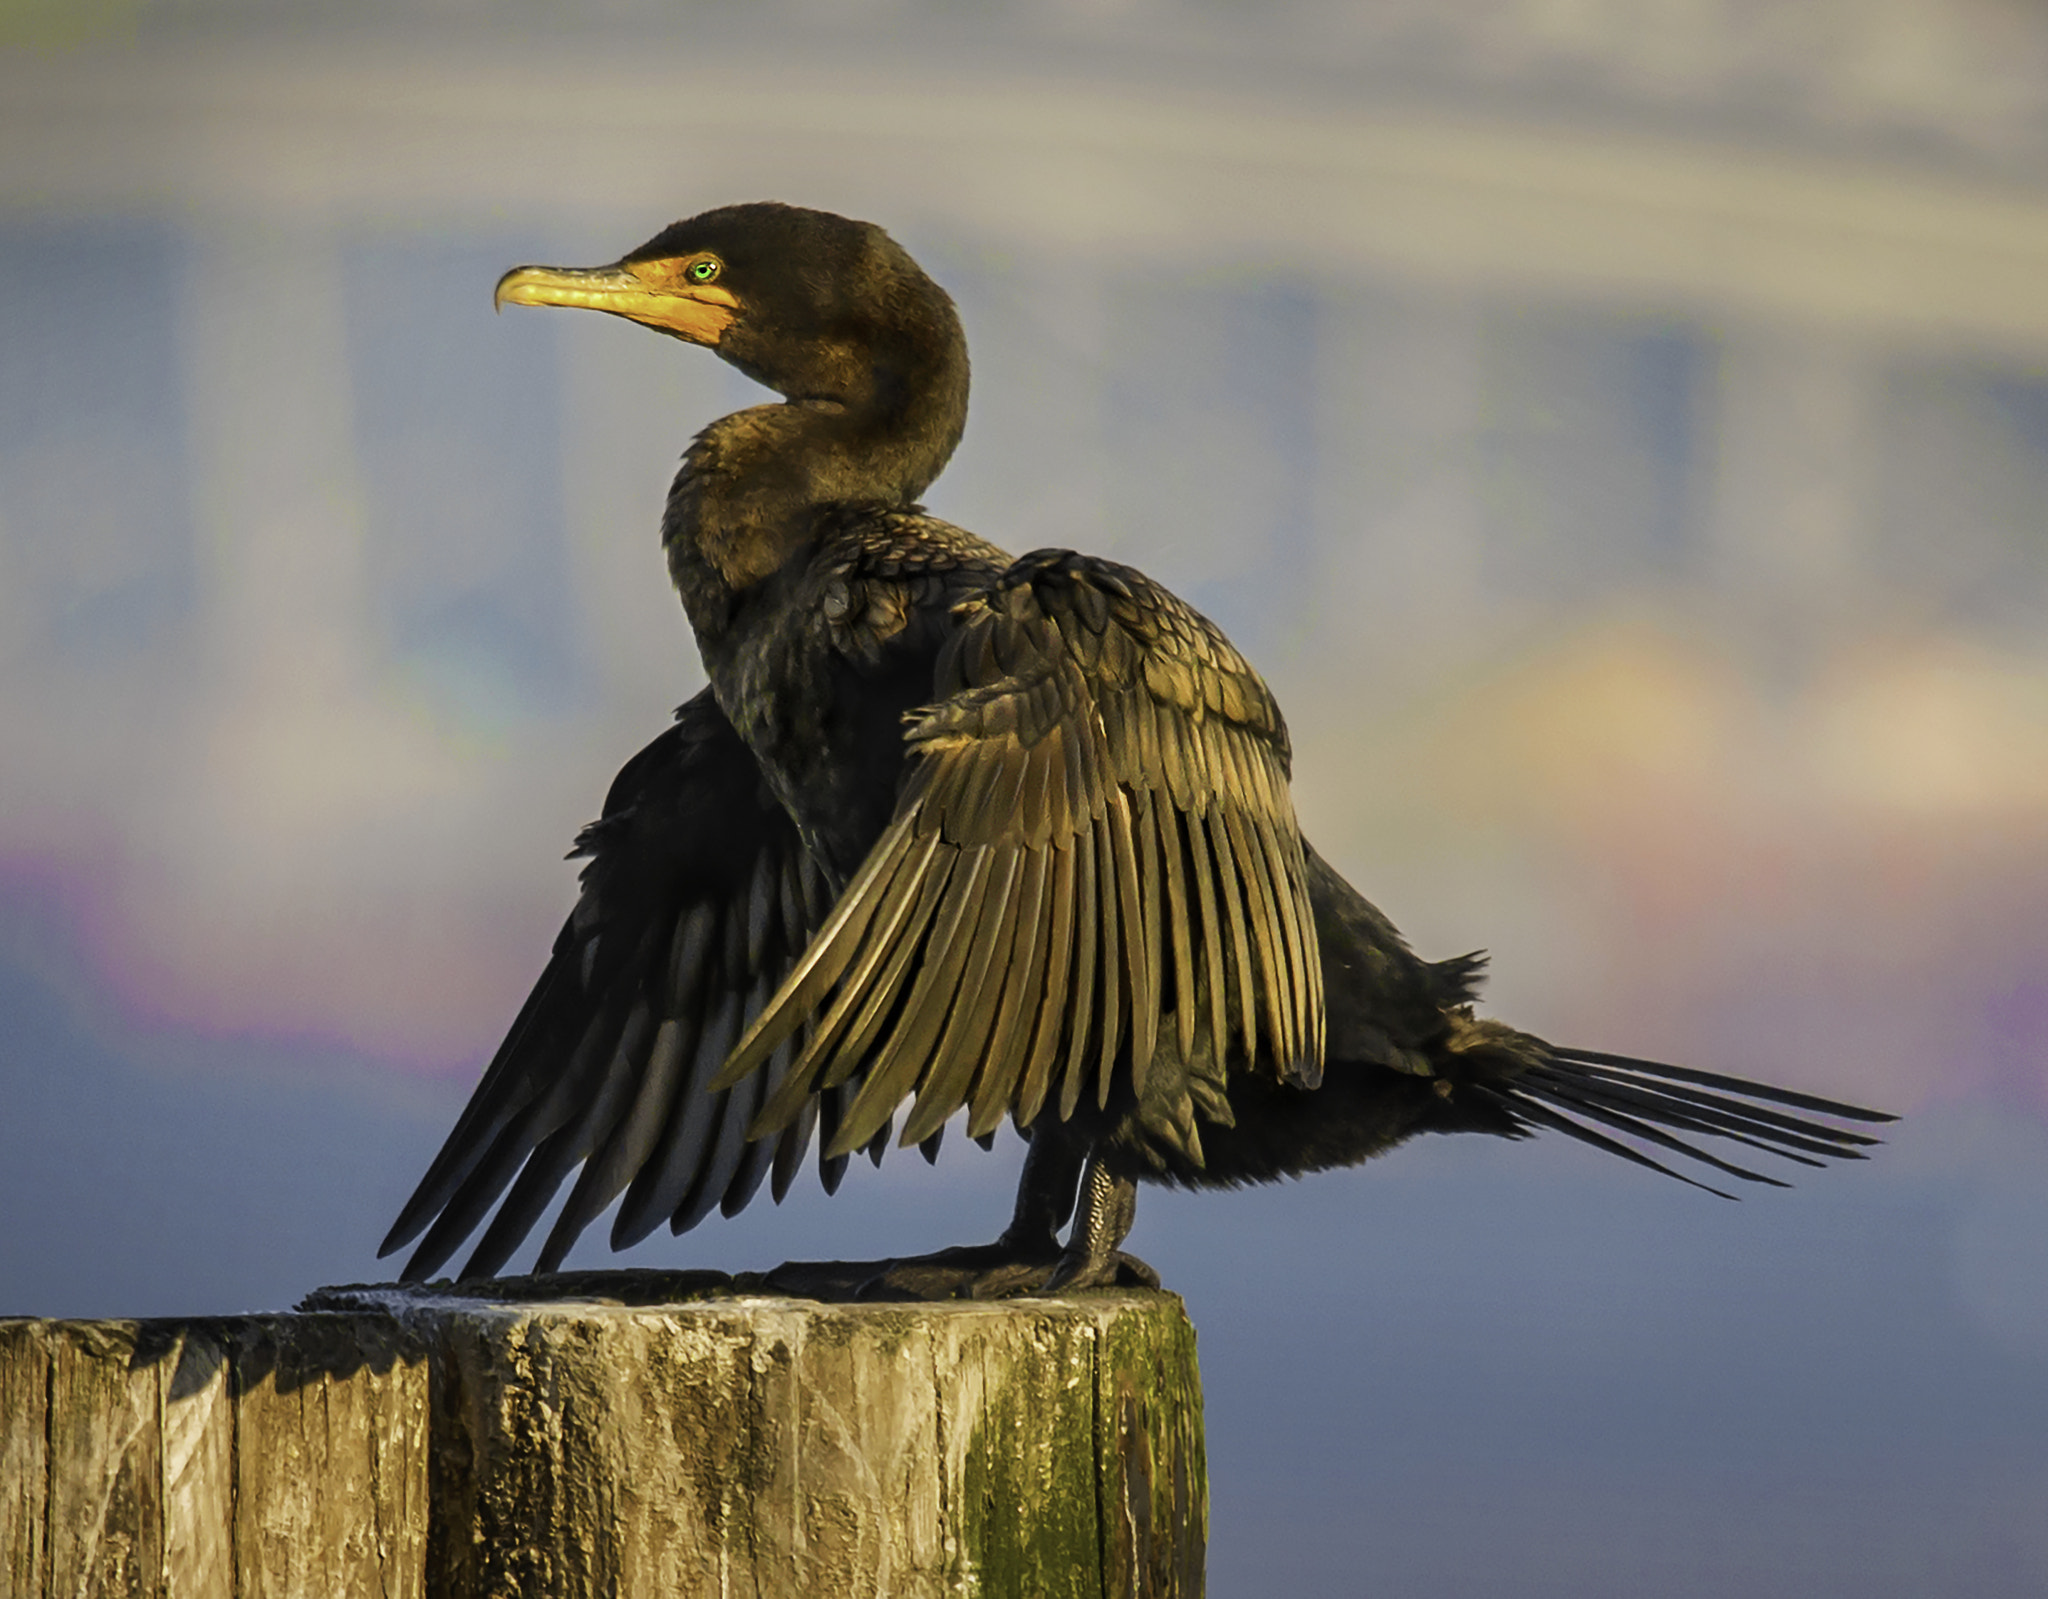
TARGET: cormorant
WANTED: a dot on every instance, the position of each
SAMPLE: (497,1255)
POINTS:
(1004,836)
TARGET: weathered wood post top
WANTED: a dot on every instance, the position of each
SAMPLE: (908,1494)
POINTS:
(607,1433)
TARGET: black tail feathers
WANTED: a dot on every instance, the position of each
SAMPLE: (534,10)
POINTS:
(1580,1092)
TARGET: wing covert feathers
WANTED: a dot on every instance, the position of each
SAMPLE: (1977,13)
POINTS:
(1094,857)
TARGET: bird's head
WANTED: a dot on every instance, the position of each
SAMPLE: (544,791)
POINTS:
(825,310)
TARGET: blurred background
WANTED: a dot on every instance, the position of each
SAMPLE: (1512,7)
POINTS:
(1618,428)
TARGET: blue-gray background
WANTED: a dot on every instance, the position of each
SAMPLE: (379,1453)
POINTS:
(1620,431)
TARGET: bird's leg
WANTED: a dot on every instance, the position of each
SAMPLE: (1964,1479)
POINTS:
(1109,1204)
(1045,1194)
(1018,1261)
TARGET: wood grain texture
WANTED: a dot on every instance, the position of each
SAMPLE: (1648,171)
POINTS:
(396,1444)
(104,1528)
(330,1459)
(24,1456)
(196,1416)
(218,1459)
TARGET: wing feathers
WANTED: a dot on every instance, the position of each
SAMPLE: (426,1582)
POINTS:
(1056,966)
(759,1156)
(906,891)
(1094,830)
(556,1158)
(509,1085)
(543,1116)
(1297,933)
(971,1017)
(908,1050)
(1114,978)
(662,1184)
(607,1174)
(882,1001)
(1166,850)
(728,1149)
(1080,1019)
(1137,913)
(1250,865)
(699,899)
(1022,980)
(821,964)
(1245,987)
(1214,937)
(790,1148)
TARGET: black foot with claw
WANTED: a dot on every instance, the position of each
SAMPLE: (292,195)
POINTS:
(1010,1265)
(1027,1259)
(1114,1270)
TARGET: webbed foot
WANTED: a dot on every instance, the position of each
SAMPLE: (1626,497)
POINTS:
(998,1271)
(1027,1259)
(1117,1269)
(969,1271)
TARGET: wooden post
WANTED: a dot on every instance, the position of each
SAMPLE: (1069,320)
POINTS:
(621,1433)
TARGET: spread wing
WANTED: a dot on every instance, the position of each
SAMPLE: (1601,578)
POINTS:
(698,898)
(1093,871)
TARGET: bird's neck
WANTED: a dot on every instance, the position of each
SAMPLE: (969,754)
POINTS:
(755,485)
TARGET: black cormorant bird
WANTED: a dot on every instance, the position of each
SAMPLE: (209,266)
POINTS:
(1008,837)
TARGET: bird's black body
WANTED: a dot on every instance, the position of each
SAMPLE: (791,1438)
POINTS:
(1007,837)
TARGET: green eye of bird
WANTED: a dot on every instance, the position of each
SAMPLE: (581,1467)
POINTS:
(703,271)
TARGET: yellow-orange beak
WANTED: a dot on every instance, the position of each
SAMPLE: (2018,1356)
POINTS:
(651,293)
